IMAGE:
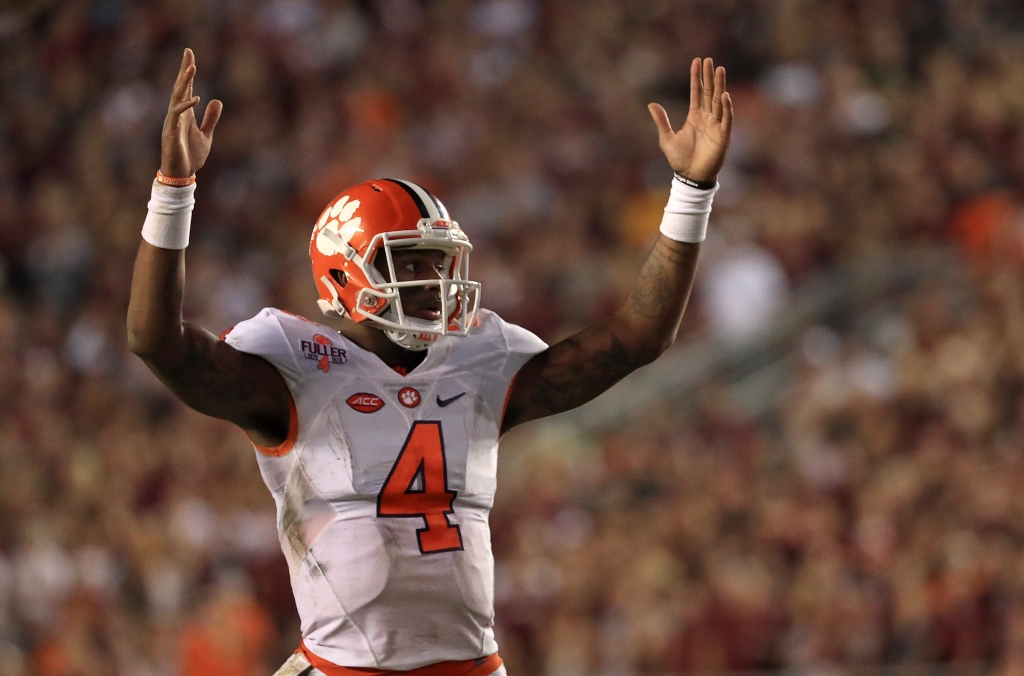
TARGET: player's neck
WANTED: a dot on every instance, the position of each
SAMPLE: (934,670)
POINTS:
(374,340)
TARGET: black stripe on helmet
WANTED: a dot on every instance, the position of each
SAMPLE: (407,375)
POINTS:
(437,203)
(437,212)
(416,199)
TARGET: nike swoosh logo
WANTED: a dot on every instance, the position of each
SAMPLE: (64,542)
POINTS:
(444,402)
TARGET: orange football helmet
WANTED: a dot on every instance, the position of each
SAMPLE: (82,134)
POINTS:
(380,216)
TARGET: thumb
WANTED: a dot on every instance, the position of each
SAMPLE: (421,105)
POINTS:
(212,115)
(660,118)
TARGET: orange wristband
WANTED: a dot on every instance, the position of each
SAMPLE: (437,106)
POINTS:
(175,182)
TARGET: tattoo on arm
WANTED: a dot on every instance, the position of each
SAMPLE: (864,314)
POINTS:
(571,373)
(581,367)
(215,379)
(204,372)
(660,284)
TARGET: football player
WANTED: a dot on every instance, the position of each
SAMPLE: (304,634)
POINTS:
(377,428)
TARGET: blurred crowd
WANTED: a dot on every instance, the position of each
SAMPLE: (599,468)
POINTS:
(871,516)
(874,515)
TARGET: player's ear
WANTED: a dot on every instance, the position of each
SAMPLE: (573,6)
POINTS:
(339,277)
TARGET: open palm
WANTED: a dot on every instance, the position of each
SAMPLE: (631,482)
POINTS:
(184,144)
(698,149)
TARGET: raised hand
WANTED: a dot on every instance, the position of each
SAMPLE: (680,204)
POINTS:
(185,145)
(697,151)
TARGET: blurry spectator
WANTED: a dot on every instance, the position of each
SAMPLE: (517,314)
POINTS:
(230,635)
(743,286)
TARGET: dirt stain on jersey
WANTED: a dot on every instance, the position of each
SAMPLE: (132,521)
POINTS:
(340,444)
(304,516)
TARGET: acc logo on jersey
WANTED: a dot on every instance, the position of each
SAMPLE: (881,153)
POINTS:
(364,402)
(321,350)
(409,397)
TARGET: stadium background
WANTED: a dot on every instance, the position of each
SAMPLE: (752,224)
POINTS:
(860,506)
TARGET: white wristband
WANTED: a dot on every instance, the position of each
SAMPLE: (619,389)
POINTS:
(170,216)
(687,212)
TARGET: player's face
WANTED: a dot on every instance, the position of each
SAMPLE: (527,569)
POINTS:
(419,264)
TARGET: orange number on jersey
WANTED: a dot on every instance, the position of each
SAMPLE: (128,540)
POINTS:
(422,458)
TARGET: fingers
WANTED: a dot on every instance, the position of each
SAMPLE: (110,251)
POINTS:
(183,86)
(727,115)
(708,84)
(719,91)
(182,99)
(183,83)
(660,118)
(182,106)
(211,117)
(695,84)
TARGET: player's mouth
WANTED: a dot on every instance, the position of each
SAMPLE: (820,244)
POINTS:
(426,309)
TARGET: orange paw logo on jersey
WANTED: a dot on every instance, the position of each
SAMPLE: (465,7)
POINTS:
(409,397)
(364,402)
(323,352)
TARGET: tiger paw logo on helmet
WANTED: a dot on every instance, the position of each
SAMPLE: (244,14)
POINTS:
(336,227)
(377,217)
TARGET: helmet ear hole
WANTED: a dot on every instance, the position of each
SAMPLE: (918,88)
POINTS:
(339,276)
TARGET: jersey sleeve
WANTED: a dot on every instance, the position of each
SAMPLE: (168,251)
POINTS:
(521,345)
(491,356)
(265,335)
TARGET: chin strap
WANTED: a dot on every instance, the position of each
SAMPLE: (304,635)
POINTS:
(411,338)
(333,307)
(406,339)
(328,309)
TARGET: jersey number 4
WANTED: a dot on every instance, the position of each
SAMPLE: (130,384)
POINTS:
(417,487)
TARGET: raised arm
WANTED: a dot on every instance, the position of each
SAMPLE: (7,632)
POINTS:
(579,368)
(206,373)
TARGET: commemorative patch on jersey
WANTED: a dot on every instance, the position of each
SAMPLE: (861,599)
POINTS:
(323,352)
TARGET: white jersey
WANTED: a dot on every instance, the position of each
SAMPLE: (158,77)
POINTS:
(384,487)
